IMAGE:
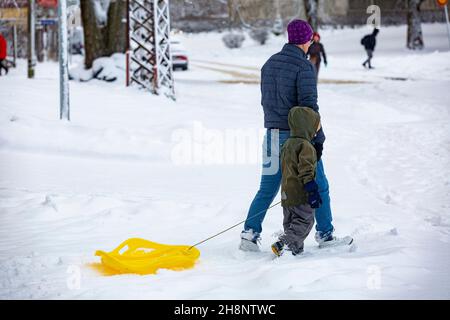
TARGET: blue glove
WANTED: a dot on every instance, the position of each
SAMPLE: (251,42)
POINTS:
(314,198)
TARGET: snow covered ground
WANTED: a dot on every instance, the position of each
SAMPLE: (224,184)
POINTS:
(115,172)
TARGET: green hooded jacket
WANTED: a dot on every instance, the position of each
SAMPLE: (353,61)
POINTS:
(298,156)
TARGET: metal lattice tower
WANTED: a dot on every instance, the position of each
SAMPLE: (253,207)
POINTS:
(149,59)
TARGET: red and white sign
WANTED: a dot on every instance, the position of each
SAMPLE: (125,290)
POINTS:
(442,2)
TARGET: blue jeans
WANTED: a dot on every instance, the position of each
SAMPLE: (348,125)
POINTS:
(270,185)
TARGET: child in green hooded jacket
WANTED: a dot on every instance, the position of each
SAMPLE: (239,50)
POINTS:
(299,190)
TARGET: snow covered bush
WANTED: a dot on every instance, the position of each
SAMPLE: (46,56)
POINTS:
(233,40)
(107,68)
(259,35)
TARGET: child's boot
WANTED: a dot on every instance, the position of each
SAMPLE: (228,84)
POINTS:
(278,248)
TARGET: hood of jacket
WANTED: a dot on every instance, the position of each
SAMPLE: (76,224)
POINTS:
(303,122)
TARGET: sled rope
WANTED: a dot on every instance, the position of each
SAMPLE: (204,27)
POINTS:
(234,226)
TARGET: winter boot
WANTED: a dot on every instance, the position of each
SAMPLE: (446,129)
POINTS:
(278,248)
(322,237)
(250,241)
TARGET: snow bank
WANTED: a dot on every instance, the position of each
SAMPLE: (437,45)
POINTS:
(106,68)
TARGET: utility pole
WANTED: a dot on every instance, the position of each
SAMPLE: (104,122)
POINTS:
(448,23)
(64,107)
(15,44)
(149,58)
(443,4)
(31,39)
(127,50)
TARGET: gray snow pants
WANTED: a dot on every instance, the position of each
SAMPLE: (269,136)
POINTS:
(297,223)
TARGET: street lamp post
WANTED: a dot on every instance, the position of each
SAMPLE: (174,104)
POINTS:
(444,3)
(31,38)
(448,23)
(64,106)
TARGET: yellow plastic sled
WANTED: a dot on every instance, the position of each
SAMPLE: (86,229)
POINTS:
(145,257)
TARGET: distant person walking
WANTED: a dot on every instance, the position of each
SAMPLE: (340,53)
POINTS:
(369,42)
(3,54)
(316,52)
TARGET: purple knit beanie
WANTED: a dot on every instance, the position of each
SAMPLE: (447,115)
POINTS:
(299,32)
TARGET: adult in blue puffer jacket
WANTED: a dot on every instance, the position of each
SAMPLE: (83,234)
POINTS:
(288,79)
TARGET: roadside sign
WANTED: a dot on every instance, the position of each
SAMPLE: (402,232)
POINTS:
(48,22)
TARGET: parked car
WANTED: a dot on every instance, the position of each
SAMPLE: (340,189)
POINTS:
(179,54)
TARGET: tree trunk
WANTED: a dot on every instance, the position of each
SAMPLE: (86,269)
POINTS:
(117,27)
(52,43)
(414,36)
(93,35)
(311,8)
(100,41)
(232,15)
(40,44)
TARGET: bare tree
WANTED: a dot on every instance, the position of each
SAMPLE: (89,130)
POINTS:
(104,26)
(311,9)
(414,36)
(233,15)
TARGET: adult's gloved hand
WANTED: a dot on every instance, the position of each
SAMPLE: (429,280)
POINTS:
(314,199)
(319,149)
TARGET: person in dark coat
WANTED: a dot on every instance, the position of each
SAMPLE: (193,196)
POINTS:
(369,41)
(316,52)
(3,54)
(288,79)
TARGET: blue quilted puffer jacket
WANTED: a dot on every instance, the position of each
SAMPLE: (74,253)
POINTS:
(288,79)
